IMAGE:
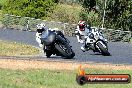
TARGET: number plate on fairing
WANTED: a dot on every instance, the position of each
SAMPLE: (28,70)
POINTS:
(90,41)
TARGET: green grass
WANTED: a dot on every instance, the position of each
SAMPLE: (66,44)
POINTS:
(16,49)
(41,78)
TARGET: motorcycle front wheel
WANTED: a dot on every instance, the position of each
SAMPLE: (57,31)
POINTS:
(103,48)
(65,50)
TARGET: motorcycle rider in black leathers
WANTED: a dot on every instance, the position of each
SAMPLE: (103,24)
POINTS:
(42,29)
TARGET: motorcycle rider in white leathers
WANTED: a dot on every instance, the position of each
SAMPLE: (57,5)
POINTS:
(81,33)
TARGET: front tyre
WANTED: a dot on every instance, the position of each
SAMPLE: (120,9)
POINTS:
(65,50)
(102,46)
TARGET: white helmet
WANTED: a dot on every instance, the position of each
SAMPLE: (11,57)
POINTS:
(41,27)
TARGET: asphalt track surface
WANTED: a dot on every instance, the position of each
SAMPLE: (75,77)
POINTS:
(121,52)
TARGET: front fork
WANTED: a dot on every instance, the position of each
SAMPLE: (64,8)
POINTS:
(91,44)
(45,48)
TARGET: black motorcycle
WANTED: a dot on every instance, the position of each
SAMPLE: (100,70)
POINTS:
(55,43)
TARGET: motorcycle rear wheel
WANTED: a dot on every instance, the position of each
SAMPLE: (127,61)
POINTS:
(48,53)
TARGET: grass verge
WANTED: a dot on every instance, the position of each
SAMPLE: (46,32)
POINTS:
(16,49)
(40,78)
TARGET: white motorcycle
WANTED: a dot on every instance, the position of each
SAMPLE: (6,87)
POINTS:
(95,41)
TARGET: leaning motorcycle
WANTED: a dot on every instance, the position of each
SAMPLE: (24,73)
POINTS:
(56,44)
(96,42)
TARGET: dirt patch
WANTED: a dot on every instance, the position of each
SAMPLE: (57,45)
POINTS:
(34,64)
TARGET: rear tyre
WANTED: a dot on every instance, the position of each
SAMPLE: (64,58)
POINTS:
(65,50)
(103,48)
(48,53)
(72,55)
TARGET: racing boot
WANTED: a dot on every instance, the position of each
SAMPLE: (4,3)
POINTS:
(84,48)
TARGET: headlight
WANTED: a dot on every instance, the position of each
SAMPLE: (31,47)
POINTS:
(91,36)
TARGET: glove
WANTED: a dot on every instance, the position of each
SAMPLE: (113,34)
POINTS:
(40,45)
(81,41)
